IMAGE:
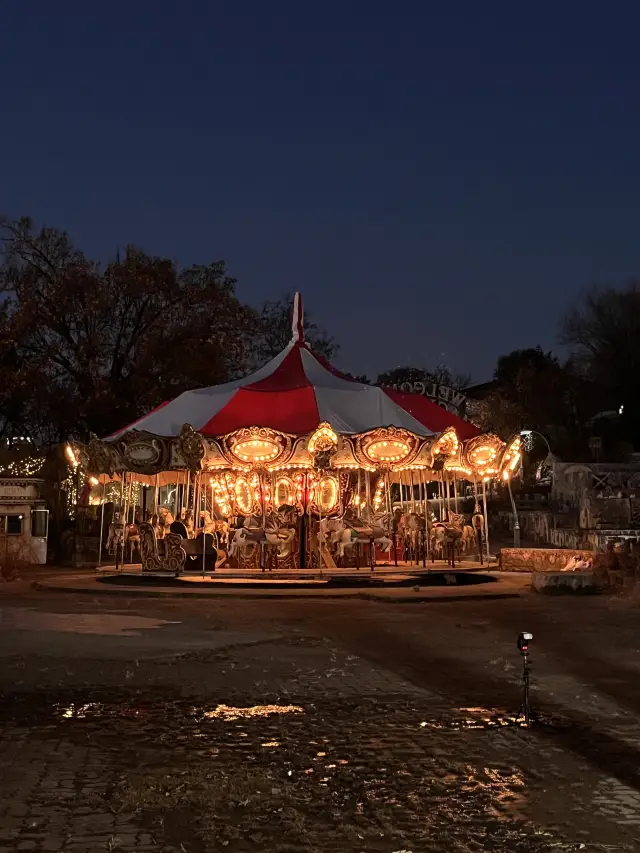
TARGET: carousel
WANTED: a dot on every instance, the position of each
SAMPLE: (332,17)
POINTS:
(297,466)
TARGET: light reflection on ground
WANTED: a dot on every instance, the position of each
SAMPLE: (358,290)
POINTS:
(226,712)
(458,785)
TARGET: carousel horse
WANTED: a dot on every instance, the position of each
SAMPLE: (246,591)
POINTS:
(165,520)
(412,528)
(186,517)
(468,540)
(132,539)
(477,523)
(275,532)
(343,535)
(214,525)
(453,528)
(116,536)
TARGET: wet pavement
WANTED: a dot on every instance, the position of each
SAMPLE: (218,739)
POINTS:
(359,728)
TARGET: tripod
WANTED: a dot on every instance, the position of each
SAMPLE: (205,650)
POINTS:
(526,702)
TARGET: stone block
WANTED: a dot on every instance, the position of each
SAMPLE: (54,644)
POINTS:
(563,581)
(540,559)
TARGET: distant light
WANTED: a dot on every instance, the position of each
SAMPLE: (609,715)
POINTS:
(526,432)
(621,410)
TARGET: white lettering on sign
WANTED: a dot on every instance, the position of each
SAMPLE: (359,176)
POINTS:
(444,396)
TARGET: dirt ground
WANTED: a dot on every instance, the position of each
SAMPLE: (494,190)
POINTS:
(141,724)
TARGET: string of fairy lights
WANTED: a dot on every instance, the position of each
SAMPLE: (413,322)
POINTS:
(19,457)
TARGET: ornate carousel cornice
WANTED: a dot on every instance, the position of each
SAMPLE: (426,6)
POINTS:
(250,449)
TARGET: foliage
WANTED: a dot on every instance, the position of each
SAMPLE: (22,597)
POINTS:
(442,375)
(602,330)
(274,332)
(87,348)
(535,391)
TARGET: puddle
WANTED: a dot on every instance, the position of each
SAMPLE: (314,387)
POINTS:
(226,712)
(326,765)
(490,718)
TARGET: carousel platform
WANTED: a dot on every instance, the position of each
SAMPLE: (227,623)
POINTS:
(404,573)
(431,588)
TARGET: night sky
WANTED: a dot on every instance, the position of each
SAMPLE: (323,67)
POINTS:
(438,180)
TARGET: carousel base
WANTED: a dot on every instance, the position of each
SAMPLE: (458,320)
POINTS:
(402,573)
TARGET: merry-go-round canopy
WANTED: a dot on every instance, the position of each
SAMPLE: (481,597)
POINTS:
(294,393)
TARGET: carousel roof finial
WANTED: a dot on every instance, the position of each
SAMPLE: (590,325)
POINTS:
(297,320)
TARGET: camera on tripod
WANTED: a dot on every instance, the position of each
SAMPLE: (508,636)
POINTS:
(524,638)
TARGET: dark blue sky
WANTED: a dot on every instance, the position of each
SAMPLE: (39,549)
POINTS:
(437,179)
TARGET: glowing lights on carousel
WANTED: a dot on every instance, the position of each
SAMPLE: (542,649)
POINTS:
(511,458)
(481,455)
(446,445)
(327,492)
(378,495)
(250,446)
(300,490)
(285,492)
(243,496)
(323,439)
(386,447)
(256,450)
(221,494)
(388,451)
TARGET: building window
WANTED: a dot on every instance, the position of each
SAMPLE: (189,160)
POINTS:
(12,525)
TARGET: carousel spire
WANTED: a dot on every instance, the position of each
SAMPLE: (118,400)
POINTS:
(297,320)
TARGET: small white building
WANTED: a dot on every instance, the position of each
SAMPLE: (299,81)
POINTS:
(24,520)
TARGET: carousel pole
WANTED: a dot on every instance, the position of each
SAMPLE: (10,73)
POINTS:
(155,497)
(129,503)
(367,486)
(263,555)
(123,476)
(196,502)
(302,525)
(425,512)
(177,497)
(476,509)
(204,533)
(413,499)
(319,543)
(445,493)
(104,489)
(390,505)
(455,491)
(486,519)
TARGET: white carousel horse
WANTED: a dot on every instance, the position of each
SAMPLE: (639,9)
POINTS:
(116,535)
(450,540)
(437,541)
(275,532)
(343,536)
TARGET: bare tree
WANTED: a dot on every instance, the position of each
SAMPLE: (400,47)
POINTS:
(87,348)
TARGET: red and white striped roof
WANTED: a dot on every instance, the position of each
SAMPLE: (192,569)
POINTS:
(295,392)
